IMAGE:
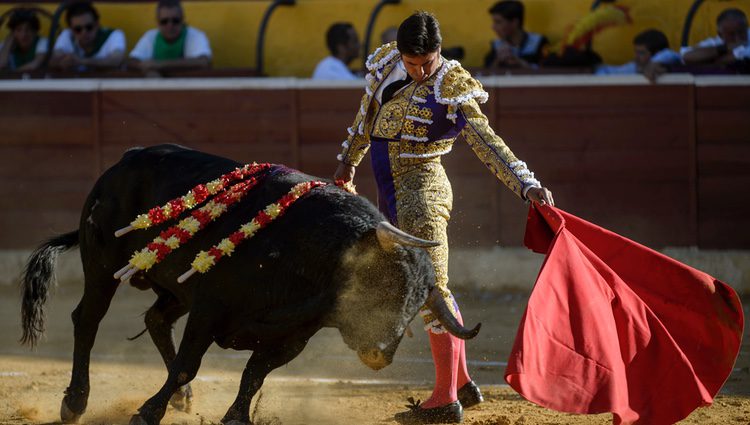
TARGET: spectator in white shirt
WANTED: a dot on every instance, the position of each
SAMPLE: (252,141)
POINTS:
(23,49)
(343,44)
(731,45)
(652,57)
(85,45)
(174,45)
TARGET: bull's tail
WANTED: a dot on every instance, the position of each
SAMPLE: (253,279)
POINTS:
(35,283)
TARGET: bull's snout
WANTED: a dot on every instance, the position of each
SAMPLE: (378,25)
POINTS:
(374,359)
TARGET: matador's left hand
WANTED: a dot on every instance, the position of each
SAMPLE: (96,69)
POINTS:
(540,195)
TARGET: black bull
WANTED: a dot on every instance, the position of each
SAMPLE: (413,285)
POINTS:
(330,261)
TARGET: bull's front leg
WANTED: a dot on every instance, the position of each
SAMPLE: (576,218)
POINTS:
(195,341)
(260,364)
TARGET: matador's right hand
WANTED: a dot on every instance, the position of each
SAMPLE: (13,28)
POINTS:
(344,172)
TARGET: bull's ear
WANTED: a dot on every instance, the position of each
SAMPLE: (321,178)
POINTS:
(389,236)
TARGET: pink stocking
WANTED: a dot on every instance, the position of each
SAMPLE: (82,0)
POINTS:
(463,373)
(445,352)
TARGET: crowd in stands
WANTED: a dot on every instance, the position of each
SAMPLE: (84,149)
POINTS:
(515,47)
(84,45)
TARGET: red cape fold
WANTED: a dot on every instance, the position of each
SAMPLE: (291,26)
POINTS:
(613,326)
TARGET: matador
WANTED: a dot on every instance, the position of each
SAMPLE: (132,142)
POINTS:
(415,106)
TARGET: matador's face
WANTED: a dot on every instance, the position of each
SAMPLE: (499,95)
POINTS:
(422,67)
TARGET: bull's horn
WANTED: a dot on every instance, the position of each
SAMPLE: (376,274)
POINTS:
(439,307)
(389,236)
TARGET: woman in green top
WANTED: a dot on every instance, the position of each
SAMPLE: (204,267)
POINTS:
(22,49)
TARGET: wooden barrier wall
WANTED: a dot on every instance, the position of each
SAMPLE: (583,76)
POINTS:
(667,165)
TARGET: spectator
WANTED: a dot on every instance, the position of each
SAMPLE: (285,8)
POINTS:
(174,45)
(343,44)
(514,47)
(23,49)
(731,45)
(652,57)
(388,35)
(85,45)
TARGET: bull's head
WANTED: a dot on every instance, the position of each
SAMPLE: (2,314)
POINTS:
(387,276)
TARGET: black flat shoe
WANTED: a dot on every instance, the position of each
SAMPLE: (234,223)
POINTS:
(451,413)
(469,395)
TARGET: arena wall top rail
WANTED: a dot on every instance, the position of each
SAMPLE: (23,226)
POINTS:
(266,83)
(659,163)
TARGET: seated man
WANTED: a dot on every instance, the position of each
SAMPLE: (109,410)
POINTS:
(23,49)
(173,45)
(84,45)
(731,45)
(343,44)
(515,47)
(652,57)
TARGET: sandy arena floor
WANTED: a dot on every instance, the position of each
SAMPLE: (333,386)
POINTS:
(325,385)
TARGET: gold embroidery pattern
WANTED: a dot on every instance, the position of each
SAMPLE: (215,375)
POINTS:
(424,200)
(490,148)
(425,113)
(408,127)
(416,129)
(458,86)
(426,149)
(414,110)
(425,89)
(390,118)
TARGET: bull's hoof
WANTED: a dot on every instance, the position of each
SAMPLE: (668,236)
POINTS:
(68,416)
(137,420)
(236,422)
(182,399)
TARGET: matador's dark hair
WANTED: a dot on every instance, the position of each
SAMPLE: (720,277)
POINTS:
(419,34)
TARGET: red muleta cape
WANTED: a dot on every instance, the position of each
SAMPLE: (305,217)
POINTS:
(613,326)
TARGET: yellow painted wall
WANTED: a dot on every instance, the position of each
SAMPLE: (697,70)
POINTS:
(295,40)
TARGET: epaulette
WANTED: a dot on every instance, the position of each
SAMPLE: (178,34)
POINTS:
(376,63)
(381,56)
(454,86)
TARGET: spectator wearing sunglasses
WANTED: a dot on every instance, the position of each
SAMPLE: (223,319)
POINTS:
(174,45)
(23,49)
(85,45)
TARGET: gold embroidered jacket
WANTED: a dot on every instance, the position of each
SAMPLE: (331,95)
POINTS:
(427,120)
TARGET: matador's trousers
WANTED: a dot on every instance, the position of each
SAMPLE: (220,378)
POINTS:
(415,195)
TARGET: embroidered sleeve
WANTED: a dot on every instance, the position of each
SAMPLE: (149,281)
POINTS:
(356,144)
(493,151)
